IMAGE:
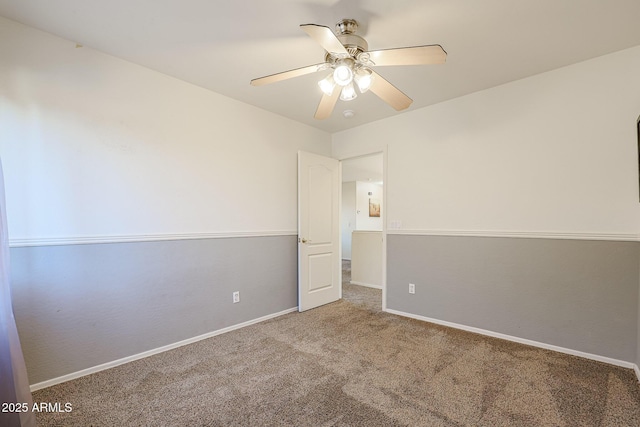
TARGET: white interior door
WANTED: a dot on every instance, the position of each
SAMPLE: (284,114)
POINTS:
(318,231)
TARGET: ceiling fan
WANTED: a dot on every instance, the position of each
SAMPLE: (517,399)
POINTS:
(350,61)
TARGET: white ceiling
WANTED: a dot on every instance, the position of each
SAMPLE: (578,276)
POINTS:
(222,45)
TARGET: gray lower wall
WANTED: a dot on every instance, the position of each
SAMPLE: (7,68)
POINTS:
(577,294)
(78,306)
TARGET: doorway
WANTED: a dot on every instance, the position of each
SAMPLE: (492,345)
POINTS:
(362,229)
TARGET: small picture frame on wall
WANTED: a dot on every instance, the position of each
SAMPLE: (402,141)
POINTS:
(374,208)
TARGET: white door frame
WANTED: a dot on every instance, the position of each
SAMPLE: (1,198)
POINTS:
(384,153)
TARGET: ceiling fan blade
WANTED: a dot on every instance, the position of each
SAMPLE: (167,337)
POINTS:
(418,55)
(325,37)
(287,75)
(389,93)
(325,108)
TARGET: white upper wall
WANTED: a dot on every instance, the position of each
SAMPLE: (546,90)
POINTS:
(556,152)
(96,146)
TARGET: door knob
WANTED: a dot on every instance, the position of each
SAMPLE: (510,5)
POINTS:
(303,240)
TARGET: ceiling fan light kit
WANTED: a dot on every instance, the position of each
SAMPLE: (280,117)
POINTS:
(345,72)
(348,58)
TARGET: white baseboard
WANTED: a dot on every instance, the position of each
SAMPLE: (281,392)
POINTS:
(112,364)
(368,285)
(545,346)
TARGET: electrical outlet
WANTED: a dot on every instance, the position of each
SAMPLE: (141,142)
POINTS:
(236,297)
(412,288)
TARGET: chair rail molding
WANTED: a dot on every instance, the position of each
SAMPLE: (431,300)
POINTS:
(626,237)
(99,239)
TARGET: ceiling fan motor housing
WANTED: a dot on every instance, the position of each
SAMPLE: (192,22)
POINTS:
(346,26)
(346,33)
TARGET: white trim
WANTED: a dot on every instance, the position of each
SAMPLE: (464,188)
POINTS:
(545,346)
(635,368)
(385,153)
(632,237)
(88,240)
(385,198)
(112,364)
(367,285)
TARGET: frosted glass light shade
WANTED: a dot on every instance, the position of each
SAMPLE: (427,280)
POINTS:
(343,71)
(364,79)
(343,75)
(327,85)
(348,92)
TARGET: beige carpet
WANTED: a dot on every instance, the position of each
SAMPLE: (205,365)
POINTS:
(350,364)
